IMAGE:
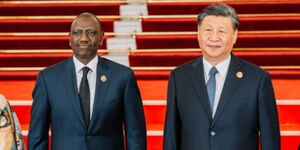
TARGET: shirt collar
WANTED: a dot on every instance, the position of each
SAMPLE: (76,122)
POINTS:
(79,65)
(222,67)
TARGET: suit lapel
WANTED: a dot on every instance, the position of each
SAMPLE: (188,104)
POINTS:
(197,79)
(70,83)
(102,83)
(230,85)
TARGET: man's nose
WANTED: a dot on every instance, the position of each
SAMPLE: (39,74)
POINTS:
(214,36)
(84,37)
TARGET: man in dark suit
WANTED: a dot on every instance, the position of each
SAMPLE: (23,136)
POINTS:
(87,100)
(218,101)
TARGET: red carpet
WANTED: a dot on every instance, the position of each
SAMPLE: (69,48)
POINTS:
(241,7)
(154,59)
(246,23)
(142,74)
(36,42)
(17,85)
(256,57)
(45,25)
(244,40)
(155,114)
(149,25)
(58,9)
(150,89)
(153,41)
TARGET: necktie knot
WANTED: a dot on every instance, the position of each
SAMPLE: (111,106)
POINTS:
(85,70)
(213,71)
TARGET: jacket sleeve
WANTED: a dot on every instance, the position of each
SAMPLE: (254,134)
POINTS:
(40,117)
(268,116)
(172,123)
(135,126)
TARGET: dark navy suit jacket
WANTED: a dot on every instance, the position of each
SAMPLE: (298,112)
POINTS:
(247,106)
(117,107)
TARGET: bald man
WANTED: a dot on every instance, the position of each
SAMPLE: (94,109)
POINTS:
(88,102)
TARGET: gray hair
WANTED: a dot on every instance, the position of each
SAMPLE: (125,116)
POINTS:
(220,10)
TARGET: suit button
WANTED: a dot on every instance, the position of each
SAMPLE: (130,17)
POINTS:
(89,137)
(212,133)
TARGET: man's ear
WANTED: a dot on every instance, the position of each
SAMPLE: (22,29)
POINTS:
(198,35)
(235,35)
(101,39)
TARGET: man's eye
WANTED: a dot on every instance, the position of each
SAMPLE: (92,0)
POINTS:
(92,33)
(76,33)
(222,31)
(207,29)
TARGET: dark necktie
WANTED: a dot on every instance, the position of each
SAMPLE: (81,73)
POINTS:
(211,86)
(84,94)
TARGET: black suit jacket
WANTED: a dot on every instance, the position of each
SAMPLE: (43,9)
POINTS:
(117,106)
(247,106)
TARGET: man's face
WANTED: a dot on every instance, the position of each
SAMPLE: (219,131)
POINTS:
(85,38)
(216,38)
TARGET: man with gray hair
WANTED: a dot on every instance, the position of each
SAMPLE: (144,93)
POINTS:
(218,101)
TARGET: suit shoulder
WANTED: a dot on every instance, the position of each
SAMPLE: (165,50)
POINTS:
(186,66)
(55,68)
(253,68)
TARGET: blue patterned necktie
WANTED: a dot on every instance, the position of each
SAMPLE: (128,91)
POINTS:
(84,94)
(211,86)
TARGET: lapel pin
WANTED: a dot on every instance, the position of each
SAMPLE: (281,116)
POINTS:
(239,74)
(103,78)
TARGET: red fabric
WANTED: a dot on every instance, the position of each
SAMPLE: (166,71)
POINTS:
(149,41)
(33,59)
(246,24)
(163,25)
(161,59)
(17,89)
(244,41)
(156,89)
(241,7)
(155,114)
(164,74)
(17,75)
(37,42)
(261,58)
(58,9)
(150,89)
(45,25)
(18,85)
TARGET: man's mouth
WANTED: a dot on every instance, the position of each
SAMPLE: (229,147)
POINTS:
(214,46)
(83,46)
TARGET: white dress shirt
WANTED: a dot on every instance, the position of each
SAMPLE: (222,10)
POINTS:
(220,78)
(91,76)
